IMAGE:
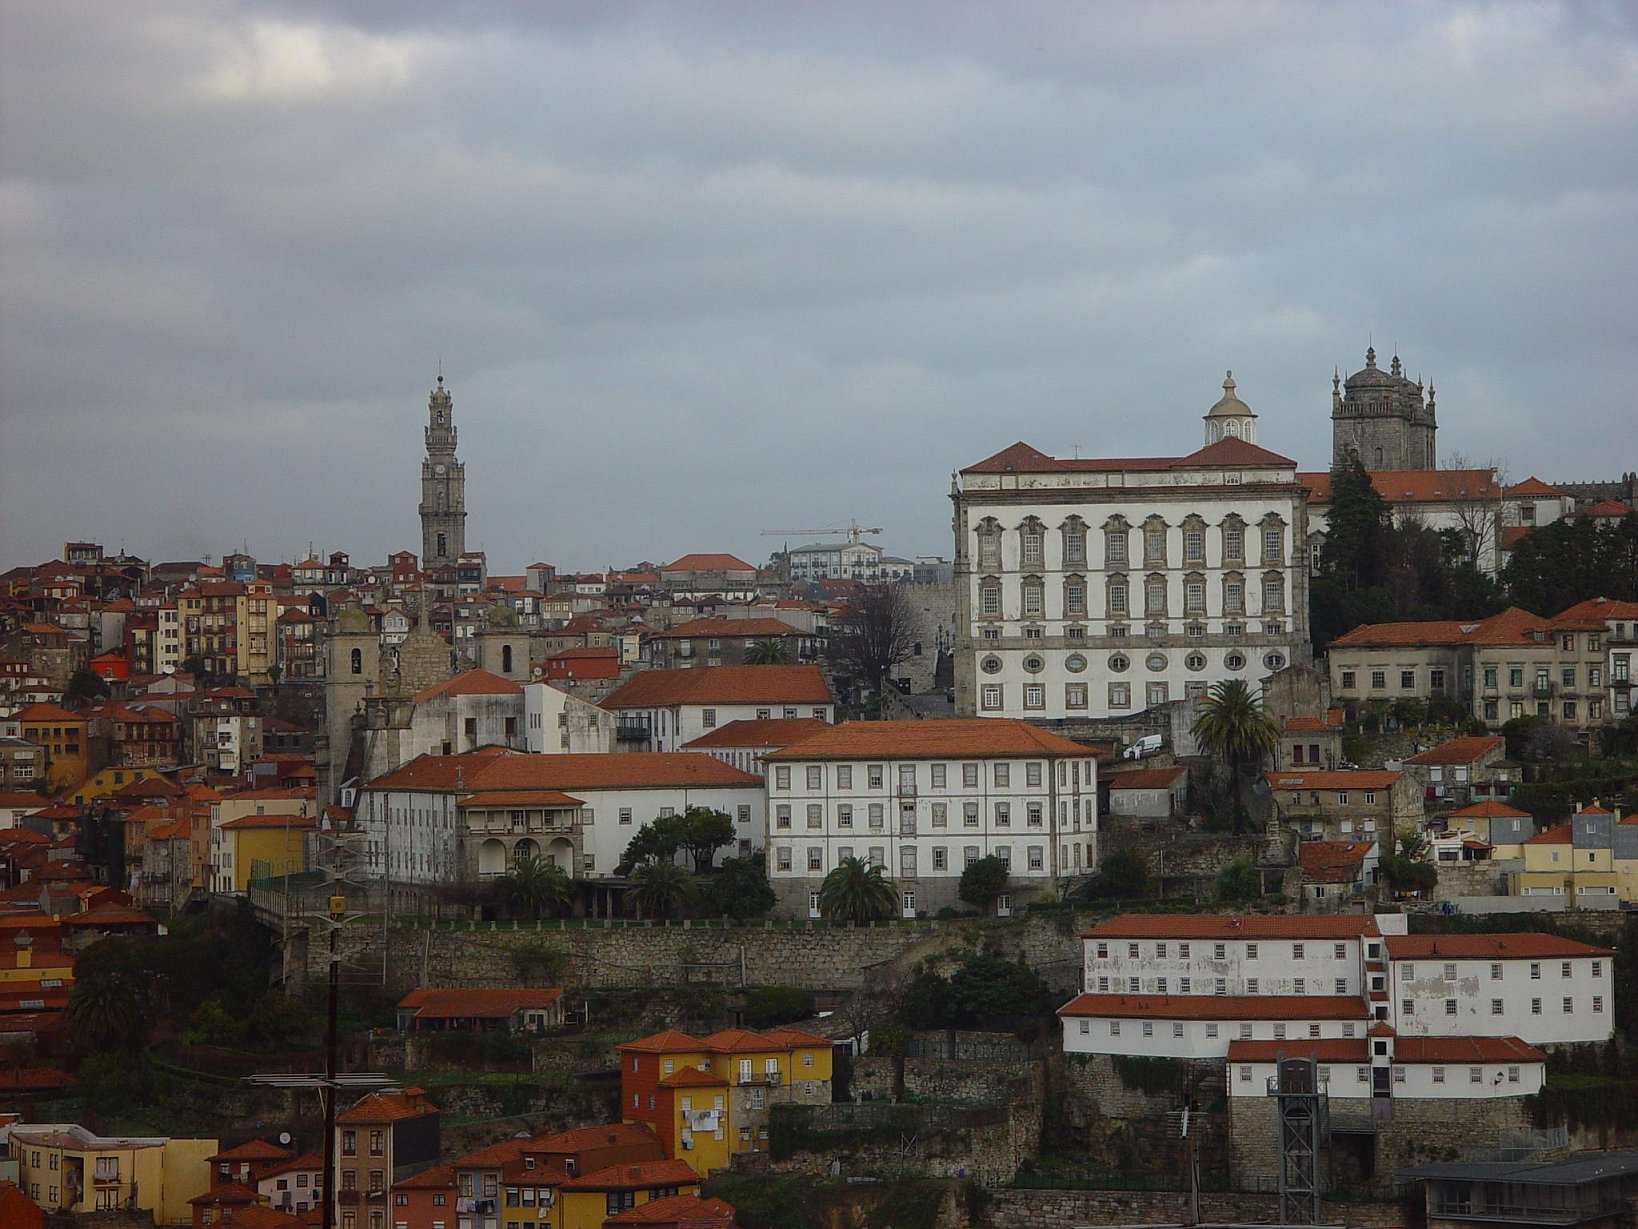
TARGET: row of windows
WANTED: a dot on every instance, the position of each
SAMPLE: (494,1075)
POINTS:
(1362,1075)
(1001,814)
(1566,968)
(1163,950)
(909,775)
(909,857)
(992,696)
(1155,541)
(1117,590)
(1407,1007)
(1185,985)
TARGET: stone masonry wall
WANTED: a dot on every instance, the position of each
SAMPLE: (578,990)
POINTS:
(763,954)
(1041,1209)
(1129,1128)
(1420,1131)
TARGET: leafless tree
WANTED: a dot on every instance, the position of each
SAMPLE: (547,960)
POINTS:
(875,632)
(1478,511)
(877,1001)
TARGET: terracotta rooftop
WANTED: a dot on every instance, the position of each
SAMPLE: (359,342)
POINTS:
(706,562)
(254,1150)
(389,1106)
(671,1041)
(1325,1049)
(470,683)
(1520,945)
(678,1211)
(1217,1006)
(1146,778)
(939,738)
(691,1077)
(1612,508)
(1332,861)
(1532,486)
(438,1178)
(1232,926)
(729,629)
(1599,608)
(1463,750)
(471,1003)
(771,685)
(1399,486)
(487,774)
(1558,834)
(1465,1050)
(1228,453)
(1490,808)
(636,1176)
(775,732)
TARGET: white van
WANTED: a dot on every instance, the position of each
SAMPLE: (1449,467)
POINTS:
(1149,744)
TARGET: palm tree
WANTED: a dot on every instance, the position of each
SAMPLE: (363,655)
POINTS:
(857,891)
(105,1012)
(768,651)
(537,885)
(659,889)
(1232,726)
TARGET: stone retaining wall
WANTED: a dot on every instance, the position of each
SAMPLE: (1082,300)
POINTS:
(1042,1209)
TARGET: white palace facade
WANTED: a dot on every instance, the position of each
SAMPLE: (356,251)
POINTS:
(1099,587)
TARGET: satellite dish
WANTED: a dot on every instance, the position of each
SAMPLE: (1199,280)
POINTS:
(285,1138)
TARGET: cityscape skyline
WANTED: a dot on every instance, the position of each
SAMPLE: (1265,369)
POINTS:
(692,275)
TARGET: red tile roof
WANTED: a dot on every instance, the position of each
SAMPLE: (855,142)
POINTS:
(691,1077)
(635,1177)
(705,562)
(254,1150)
(794,1038)
(1146,778)
(1601,608)
(1332,861)
(931,739)
(1399,486)
(1315,723)
(1465,1050)
(770,685)
(1463,750)
(1519,945)
(1490,808)
(296,823)
(1607,507)
(486,774)
(438,1178)
(671,1041)
(1228,453)
(1511,627)
(1532,486)
(389,1106)
(1364,778)
(677,1212)
(775,732)
(1232,926)
(492,1156)
(521,798)
(1217,1006)
(470,683)
(110,915)
(472,1004)
(1558,834)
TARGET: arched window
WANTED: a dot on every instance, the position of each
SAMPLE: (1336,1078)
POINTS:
(1378,459)
(989,543)
(1074,532)
(506,659)
(358,661)
(1032,543)
(443,546)
(1273,593)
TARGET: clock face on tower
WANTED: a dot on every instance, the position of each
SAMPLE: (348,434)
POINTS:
(438,469)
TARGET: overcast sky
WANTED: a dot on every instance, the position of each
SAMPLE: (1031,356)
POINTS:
(697,271)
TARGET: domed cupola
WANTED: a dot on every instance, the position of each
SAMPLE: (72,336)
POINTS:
(1230,418)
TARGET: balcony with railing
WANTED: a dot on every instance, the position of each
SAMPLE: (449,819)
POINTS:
(633,731)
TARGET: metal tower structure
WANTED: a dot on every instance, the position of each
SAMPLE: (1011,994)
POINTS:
(1302,1110)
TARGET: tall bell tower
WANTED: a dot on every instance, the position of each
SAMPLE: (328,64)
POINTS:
(443,485)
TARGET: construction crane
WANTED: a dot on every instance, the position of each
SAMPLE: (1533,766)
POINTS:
(852,532)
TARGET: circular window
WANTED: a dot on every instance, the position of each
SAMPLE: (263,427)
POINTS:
(1074,663)
(1235,661)
(990,665)
(1034,664)
(1274,661)
(1155,661)
(1195,661)
(1118,662)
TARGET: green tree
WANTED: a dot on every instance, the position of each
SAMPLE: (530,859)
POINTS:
(1238,883)
(771,1006)
(768,651)
(659,890)
(698,831)
(537,886)
(739,889)
(106,1011)
(983,880)
(86,684)
(857,891)
(1234,729)
(983,991)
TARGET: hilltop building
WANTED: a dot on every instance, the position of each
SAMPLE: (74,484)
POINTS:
(443,486)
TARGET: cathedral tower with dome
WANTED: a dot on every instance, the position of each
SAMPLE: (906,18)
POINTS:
(1381,417)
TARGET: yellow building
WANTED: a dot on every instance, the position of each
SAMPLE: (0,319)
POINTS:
(587,1201)
(257,846)
(66,738)
(1503,827)
(64,1167)
(1555,864)
(256,616)
(532,1178)
(110,780)
(709,1097)
(31,952)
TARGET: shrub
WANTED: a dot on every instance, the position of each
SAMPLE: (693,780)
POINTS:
(769,1006)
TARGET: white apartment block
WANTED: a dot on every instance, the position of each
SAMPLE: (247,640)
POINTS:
(664,710)
(1096,587)
(924,800)
(1386,1013)
(859,561)
(557,723)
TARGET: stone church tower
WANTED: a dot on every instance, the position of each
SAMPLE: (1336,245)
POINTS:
(443,486)
(1380,416)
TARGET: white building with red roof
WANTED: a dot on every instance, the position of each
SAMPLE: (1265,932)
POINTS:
(1390,1014)
(1099,587)
(925,799)
(663,710)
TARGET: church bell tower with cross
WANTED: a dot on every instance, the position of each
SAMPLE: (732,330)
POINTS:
(443,485)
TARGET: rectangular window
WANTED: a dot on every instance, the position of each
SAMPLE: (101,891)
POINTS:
(844,816)
(816,858)
(1003,815)
(969,814)
(816,815)
(990,696)
(941,814)
(939,862)
(938,776)
(844,776)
